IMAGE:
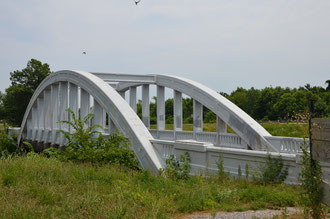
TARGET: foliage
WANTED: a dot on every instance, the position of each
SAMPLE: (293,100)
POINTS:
(37,187)
(8,144)
(15,102)
(221,169)
(31,76)
(23,85)
(178,168)
(83,145)
(274,171)
(2,109)
(311,179)
(247,172)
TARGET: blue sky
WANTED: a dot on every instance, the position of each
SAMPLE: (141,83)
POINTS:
(220,43)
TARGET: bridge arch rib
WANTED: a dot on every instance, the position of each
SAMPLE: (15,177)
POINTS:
(50,99)
(245,126)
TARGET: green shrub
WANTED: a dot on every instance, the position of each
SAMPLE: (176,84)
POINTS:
(8,144)
(311,178)
(221,169)
(83,146)
(274,171)
(178,168)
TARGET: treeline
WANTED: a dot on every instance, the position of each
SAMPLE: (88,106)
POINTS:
(261,104)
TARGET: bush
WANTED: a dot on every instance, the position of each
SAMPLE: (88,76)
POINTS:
(274,171)
(82,145)
(311,178)
(7,144)
(178,168)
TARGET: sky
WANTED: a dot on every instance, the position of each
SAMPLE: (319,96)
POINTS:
(223,44)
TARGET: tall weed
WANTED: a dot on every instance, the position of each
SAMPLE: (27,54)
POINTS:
(83,146)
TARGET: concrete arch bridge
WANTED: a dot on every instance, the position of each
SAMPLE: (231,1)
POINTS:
(105,92)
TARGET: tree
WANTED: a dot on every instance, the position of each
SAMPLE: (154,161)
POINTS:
(24,83)
(2,110)
(32,75)
(328,87)
(15,102)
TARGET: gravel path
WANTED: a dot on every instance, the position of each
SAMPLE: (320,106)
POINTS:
(244,214)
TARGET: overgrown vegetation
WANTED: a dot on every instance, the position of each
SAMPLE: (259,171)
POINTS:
(86,144)
(34,186)
(274,170)
(177,168)
(311,179)
(8,144)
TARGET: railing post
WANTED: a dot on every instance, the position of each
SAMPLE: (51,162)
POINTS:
(221,128)
(55,111)
(145,105)
(160,109)
(177,111)
(132,97)
(198,117)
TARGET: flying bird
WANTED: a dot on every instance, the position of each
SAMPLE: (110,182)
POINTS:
(137,2)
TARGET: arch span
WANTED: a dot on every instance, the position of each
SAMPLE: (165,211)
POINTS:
(123,116)
(245,126)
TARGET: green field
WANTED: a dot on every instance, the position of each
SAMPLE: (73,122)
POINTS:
(299,130)
(39,187)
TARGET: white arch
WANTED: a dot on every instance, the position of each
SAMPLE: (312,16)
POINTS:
(125,119)
(245,126)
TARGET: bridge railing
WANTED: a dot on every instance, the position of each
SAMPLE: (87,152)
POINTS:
(283,144)
(204,158)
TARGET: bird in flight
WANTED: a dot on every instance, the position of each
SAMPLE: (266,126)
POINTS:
(137,2)
(84,53)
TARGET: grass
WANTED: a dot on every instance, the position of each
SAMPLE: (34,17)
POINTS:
(299,130)
(39,187)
